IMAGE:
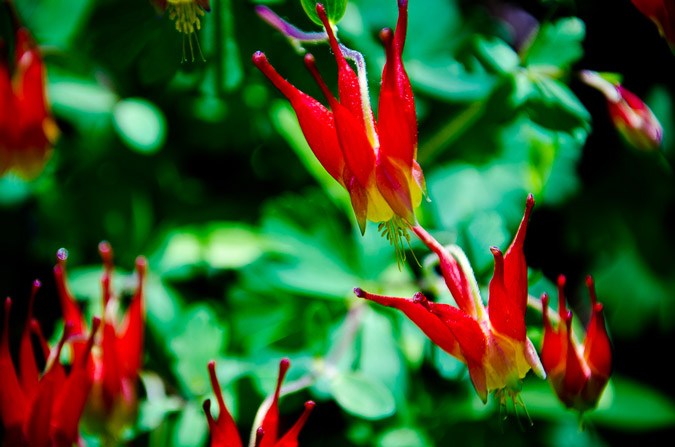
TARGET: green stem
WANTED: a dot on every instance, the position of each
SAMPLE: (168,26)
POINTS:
(450,132)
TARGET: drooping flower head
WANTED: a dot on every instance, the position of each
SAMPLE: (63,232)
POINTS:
(577,372)
(187,16)
(118,351)
(662,13)
(224,430)
(27,129)
(491,341)
(42,410)
(374,161)
(631,116)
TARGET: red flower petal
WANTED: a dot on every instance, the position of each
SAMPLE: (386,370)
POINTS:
(418,312)
(270,423)
(12,401)
(506,315)
(290,439)
(315,120)
(223,431)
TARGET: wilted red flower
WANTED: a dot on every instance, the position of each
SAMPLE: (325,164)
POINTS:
(662,13)
(224,430)
(631,116)
(578,373)
(491,341)
(27,129)
(42,411)
(374,162)
(119,350)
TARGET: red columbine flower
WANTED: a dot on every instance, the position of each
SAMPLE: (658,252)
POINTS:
(578,373)
(224,431)
(119,349)
(662,13)
(27,129)
(374,162)
(42,411)
(491,341)
(631,116)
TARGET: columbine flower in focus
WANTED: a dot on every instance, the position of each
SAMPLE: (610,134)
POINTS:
(491,341)
(662,13)
(186,14)
(118,351)
(42,410)
(224,430)
(631,116)
(27,129)
(578,373)
(374,162)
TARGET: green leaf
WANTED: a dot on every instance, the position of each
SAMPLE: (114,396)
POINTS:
(191,428)
(335,9)
(362,395)
(496,55)
(140,124)
(557,45)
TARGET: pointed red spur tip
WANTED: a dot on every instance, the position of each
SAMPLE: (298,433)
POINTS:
(259,433)
(561,281)
(260,60)
(106,252)
(360,292)
(61,255)
(530,202)
(386,36)
(284,364)
(141,266)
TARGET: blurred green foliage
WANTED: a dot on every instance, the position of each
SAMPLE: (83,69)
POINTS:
(252,247)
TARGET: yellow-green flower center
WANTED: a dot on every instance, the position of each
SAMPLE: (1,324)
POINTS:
(186,14)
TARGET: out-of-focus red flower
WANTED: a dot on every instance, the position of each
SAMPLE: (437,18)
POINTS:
(42,410)
(375,162)
(27,129)
(578,373)
(118,351)
(662,13)
(491,341)
(631,116)
(224,430)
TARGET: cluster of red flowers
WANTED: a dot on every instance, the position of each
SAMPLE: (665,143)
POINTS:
(45,410)
(375,163)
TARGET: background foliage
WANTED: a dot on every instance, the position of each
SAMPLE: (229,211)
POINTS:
(252,248)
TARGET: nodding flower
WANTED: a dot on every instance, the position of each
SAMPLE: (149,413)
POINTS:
(634,120)
(577,372)
(374,161)
(491,341)
(187,16)
(27,128)
(42,410)
(118,357)
(224,430)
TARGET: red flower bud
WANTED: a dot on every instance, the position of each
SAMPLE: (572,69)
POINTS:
(631,116)
(578,373)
